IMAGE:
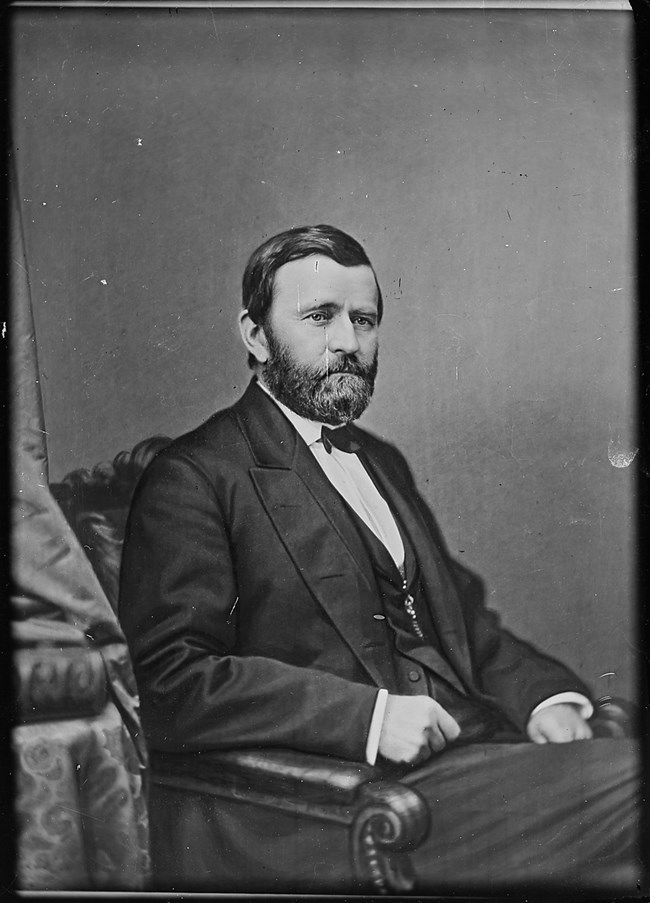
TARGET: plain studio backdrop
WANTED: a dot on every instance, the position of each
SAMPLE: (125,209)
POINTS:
(485,161)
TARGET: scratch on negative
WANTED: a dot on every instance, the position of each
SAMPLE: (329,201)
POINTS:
(568,54)
(457,335)
(79,812)
(582,344)
(558,832)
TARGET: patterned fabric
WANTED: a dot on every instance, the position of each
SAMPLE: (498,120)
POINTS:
(80,803)
(80,806)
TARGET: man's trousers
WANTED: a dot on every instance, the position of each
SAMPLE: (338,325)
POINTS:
(554,816)
(504,817)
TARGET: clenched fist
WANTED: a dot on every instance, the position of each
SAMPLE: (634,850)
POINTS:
(414,727)
(559,723)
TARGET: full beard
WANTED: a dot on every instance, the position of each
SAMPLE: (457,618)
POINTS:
(336,395)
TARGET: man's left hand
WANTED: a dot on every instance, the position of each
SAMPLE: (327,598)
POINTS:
(560,723)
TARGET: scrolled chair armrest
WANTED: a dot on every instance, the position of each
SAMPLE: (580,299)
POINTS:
(385,818)
(615,717)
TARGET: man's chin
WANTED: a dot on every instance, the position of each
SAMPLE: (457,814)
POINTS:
(342,397)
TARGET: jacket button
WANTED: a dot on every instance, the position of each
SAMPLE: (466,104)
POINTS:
(379,617)
(414,676)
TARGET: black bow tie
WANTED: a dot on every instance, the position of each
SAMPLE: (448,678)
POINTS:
(341,438)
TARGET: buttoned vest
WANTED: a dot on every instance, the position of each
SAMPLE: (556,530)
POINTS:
(410,625)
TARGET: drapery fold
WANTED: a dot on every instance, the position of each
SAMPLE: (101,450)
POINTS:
(66,642)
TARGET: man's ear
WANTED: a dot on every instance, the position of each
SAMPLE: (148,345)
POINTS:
(253,338)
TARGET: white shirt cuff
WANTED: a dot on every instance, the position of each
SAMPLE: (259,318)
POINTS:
(377,720)
(376,724)
(586,708)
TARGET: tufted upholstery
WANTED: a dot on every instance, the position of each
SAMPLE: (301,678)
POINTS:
(96,505)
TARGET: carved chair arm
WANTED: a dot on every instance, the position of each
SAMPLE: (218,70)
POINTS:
(615,717)
(385,818)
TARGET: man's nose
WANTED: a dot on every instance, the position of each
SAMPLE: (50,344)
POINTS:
(342,336)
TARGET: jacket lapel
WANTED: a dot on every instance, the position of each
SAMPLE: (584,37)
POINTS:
(312,522)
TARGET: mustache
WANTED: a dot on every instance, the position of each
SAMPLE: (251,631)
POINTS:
(349,366)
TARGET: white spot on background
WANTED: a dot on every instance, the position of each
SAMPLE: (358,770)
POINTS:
(619,456)
(4,329)
(103,282)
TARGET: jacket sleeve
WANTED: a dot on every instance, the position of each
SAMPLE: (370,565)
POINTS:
(177,600)
(514,674)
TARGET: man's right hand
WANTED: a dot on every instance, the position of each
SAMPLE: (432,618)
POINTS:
(414,727)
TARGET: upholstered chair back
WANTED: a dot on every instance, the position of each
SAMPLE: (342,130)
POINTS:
(96,504)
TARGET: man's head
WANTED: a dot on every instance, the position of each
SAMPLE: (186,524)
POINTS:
(312,307)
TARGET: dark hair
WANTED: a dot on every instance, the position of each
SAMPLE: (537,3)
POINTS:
(294,244)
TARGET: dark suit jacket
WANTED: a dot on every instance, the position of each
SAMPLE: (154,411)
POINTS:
(247,597)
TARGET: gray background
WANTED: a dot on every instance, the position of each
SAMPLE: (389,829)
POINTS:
(484,160)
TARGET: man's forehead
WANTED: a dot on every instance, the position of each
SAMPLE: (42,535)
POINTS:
(319,275)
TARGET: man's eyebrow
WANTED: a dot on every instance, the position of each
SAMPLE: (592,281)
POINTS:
(320,304)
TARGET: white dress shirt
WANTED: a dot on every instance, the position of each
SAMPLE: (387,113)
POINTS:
(350,478)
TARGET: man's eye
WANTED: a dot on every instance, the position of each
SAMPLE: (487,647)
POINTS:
(364,321)
(317,317)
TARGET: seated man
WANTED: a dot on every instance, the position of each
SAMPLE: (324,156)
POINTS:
(283,584)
